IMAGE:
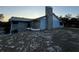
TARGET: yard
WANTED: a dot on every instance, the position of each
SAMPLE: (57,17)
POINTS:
(67,38)
(57,40)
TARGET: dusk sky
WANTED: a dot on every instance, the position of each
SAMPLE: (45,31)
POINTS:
(36,11)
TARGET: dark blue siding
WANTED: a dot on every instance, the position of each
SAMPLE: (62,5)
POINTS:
(43,24)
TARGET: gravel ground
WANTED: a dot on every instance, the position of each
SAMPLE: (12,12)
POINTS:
(57,40)
(28,41)
(67,38)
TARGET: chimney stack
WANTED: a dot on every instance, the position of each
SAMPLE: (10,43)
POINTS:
(49,17)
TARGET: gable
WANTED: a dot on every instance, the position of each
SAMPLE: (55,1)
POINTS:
(55,18)
(56,22)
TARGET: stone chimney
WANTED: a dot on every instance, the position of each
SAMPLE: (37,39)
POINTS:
(49,17)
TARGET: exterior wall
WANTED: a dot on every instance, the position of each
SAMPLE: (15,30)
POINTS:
(43,23)
(22,26)
(40,23)
(56,22)
(35,24)
(19,26)
(13,27)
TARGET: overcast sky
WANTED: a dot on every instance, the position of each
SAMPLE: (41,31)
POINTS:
(36,11)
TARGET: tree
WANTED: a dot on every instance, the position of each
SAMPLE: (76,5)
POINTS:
(77,16)
(60,17)
(68,16)
(74,19)
(1,17)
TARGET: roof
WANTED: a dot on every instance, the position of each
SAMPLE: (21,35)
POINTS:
(19,19)
(39,18)
(45,16)
(27,19)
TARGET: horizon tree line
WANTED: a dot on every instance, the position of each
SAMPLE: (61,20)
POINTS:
(70,21)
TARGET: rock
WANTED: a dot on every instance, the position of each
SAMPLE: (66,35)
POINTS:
(12,46)
(34,45)
(70,32)
(0,40)
(0,48)
(64,39)
(57,48)
(9,42)
(49,42)
(51,49)
(29,41)
(21,42)
(74,35)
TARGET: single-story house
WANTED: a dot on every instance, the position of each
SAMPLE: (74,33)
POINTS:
(49,21)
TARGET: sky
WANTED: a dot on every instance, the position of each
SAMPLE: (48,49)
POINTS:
(63,10)
(36,11)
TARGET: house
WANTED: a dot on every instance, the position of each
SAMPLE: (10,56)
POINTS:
(42,23)
(18,24)
(49,21)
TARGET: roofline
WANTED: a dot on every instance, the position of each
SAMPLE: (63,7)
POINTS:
(39,17)
(20,20)
(33,19)
(55,15)
(45,16)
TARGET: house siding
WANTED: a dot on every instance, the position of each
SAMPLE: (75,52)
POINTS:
(40,23)
(43,23)
(56,22)
(36,24)
(20,26)
(13,26)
